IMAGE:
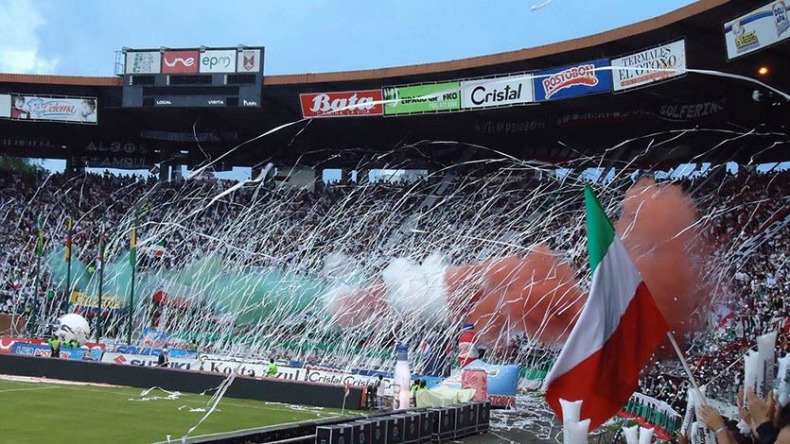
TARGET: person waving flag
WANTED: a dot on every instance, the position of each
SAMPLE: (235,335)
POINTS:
(617,331)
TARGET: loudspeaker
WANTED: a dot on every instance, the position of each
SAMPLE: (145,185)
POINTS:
(462,421)
(443,424)
(361,432)
(339,434)
(412,428)
(378,431)
(426,426)
(396,427)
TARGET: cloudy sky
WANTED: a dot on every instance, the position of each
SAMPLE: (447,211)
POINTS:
(80,37)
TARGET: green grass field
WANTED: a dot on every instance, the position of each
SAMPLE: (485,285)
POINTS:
(33,412)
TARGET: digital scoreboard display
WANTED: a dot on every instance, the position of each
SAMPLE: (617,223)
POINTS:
(193,78)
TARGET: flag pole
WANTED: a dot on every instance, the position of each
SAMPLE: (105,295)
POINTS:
(687,369)
(101,279)
(133,263)
(68,257)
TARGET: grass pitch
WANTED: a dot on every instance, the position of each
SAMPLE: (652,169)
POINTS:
(38,412)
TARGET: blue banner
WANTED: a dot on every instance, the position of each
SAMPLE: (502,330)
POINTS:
(573,81)
(79,354)
(150,351)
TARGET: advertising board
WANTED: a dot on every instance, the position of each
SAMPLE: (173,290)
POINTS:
(651,65)
(429,98)
(342,104)
(143,62)
(5,105)
(218,61)
(148,360)
(249,60)
(180,62)
(500,91)
(573,80)
(50,109)
(761,27)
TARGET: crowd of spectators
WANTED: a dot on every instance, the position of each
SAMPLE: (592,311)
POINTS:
(477,216)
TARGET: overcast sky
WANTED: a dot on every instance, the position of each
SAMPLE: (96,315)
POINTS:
(80,37)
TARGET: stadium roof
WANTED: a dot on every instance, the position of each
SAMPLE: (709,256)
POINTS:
(699,113)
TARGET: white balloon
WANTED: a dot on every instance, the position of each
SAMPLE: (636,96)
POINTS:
(73,327)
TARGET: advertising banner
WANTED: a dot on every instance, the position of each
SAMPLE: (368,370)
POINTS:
(79,354)
(108,302)
(573,81)
(180,62)
(501,91)
(218,61)
(756,30)
(149,351)
(249,60)
(637,69)
(144,62)
(51,109)
(342,104)
(148,360)
(430,98)
(5,105)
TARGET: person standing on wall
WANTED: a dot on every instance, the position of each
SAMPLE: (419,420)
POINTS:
(164,358)
(54,347)
(271,370)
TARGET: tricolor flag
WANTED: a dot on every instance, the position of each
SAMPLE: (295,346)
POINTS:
(616,333)
(69,233)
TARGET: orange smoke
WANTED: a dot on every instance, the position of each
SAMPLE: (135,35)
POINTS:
(539,294)
(659,230)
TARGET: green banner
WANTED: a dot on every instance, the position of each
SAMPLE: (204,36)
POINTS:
(412,99)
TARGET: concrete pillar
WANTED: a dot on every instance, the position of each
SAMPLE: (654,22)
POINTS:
(164,172)
(345,176)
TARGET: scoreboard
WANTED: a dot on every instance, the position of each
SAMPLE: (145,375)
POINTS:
(193,78)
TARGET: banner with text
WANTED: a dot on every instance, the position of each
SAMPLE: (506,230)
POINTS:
(756,30)
(573,81)
(218,61)
(639,69)
(500,91)
(342,104)
(50,109)
(431,98)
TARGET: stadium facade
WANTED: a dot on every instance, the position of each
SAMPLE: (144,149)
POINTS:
(558,103)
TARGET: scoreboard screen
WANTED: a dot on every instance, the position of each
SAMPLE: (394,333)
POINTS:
(193,78)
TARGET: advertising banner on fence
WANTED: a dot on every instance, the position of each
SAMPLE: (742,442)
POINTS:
(5,105)
(757,29)
(149,360)
(79,354)
(637,69)
(342,104)
(149,351)
(218,61)
(416,99)
(51,109)
(143,62)
(500,91)
(573,81)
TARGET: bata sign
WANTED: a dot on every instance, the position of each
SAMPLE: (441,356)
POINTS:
(342,104)
(501,91)
(649,66)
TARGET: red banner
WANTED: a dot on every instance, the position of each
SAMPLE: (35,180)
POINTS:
(180,62)
(342,104)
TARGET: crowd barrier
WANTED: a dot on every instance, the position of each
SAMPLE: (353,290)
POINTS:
(420,426)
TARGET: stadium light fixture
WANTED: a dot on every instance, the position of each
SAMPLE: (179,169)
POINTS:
(763,71)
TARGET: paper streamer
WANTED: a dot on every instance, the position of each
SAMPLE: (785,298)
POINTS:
(645,435)
(631,434)
(783,381)
(765,374)
(688,417)
(701,435)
